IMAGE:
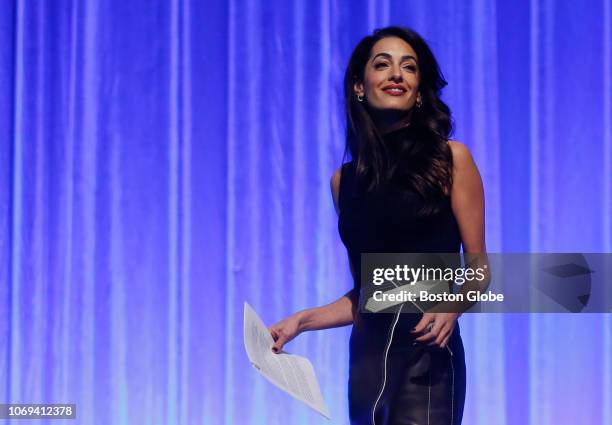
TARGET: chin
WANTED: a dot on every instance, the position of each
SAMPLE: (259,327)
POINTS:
(392,108)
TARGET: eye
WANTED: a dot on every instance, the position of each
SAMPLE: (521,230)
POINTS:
(410,67)
(380,65)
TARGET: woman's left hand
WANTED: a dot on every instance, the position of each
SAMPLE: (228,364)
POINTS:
(442,326)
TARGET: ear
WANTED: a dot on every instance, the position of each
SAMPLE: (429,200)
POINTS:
(358,88)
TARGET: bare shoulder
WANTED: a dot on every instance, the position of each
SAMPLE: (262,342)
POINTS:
(465,171)
(467,198)
(335,187)
(462,157)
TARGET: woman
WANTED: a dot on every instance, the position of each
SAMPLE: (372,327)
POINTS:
(407,189)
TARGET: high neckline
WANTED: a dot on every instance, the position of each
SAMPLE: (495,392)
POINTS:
(397,130)
(393,137)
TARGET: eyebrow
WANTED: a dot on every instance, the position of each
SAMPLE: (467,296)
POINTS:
(388,56)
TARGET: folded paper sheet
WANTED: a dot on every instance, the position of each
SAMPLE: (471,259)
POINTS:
(291,373)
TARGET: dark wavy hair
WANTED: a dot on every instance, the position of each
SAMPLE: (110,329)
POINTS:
(422,160)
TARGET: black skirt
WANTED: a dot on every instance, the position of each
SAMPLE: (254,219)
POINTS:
(394,382)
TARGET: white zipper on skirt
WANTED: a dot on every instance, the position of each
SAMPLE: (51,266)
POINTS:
(391,331)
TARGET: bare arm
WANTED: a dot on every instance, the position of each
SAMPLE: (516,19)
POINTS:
(339,313)
(467,202)
(467,199)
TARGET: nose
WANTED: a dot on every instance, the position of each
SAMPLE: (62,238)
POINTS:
(396,72)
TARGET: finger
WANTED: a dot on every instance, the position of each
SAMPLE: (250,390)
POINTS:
(422,325)
(278,345)
(445,342)
(433,332)
(437,333)
(441,337)
(437,327)
(429,336)
(273,333)
(425,339)
(451,329)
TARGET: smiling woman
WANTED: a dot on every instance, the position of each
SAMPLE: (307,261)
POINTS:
(407,188)
(391,55)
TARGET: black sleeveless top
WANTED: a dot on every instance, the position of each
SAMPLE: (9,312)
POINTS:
(386,220)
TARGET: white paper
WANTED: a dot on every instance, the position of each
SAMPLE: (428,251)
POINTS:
(291,373)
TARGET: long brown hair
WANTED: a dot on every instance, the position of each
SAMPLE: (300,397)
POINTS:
(421,158)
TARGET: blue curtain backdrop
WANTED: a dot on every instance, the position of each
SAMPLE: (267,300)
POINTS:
(163,162)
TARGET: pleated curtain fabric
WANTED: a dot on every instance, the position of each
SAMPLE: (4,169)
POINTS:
(163,162)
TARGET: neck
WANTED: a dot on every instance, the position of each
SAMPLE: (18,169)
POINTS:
(388,121)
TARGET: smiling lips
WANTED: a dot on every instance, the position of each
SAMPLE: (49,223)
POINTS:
(394,90)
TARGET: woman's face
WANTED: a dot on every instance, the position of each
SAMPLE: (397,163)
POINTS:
(391,78)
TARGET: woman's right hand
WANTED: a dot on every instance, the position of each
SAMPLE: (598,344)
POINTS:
(284,331)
